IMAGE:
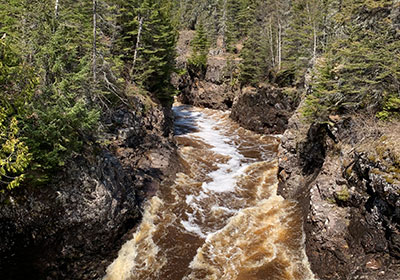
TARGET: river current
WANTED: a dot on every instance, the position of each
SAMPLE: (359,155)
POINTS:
(222,218)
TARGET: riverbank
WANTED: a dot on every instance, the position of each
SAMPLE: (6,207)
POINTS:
(73,226)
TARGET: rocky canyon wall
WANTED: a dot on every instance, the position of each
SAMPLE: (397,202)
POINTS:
(73,226)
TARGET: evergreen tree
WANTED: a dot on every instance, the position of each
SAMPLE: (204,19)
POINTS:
(249,67)
(62,109)
(200,46)
(360,70)
(16,87)
(309,30)
(149,39)
(156,58)
(240,18)
(57,117)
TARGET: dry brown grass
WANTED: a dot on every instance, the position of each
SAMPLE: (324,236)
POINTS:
(379,141)
(379,138)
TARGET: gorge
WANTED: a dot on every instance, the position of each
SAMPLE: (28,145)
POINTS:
(200,139)
(222,218)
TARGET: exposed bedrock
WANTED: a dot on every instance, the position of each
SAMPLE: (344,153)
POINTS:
(72,227)
(346,179)
(264,109)
(212,89)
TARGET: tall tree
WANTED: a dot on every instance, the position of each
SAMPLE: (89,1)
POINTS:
(198,59)
(16,88)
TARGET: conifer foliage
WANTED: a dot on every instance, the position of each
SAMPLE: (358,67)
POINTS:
(200,46)
(62,63)
(361,70)
(352,47)
(147,42)
(14,153)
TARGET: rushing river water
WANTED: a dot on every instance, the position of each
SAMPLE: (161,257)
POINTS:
(222,218)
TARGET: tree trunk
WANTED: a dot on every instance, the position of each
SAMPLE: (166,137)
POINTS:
(271,41)
(279,45)
(56,8)
(137,44)
(315,40)
(224,25)
(94,40)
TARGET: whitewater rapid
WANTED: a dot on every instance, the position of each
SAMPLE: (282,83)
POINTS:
(222,218)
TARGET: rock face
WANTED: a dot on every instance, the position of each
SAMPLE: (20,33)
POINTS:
(207,94)
(211,89)
(346,180)
(264,109)
(72,227)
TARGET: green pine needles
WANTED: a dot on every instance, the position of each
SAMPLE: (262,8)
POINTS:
(359,71)
(59,69)
(200,46)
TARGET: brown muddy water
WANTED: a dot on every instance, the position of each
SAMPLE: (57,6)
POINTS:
(222,218)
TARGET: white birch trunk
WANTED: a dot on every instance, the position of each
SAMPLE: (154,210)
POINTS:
(224,25)
(279,45)
(94,39)
(271,41)
(137,43)
(56,8)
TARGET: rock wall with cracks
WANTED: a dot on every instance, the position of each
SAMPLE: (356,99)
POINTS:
(72,228)
(213,89)
(345,177)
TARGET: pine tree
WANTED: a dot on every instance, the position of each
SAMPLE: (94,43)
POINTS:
(156,57)
(148,42)
(16,87)
(359,70)
(63,109)
(304,34)
(251,65)
(198,59)
(56,46)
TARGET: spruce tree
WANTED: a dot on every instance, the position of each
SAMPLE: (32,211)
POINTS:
(16,89)
(251,65)
(148,41)
(198,59)
(359,70)
(156,58)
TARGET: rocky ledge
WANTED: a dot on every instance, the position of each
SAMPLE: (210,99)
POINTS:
(264,109)
(72,227)
(213,89)
(346,177)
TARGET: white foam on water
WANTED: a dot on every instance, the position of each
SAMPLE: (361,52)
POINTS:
(211,132)
(230,205)
(191,226)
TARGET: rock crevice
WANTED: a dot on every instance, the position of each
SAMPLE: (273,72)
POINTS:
(72,227)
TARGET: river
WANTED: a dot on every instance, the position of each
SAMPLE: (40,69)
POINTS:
(222,218)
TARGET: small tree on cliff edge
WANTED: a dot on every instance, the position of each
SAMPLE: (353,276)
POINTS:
(200,46)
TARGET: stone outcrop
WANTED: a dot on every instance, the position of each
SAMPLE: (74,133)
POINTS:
(207,94)
(265,109)
(345,176)
(72,227)
(214,88)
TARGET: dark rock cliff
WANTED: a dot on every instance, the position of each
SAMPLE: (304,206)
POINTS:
(344,174)
(214,88)
(72,227)
(347,182)
(265,109)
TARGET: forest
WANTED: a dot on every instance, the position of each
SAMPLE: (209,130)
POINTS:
(65,63)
